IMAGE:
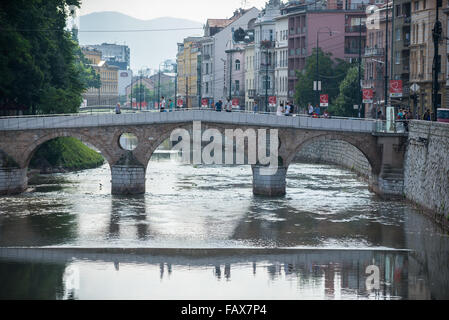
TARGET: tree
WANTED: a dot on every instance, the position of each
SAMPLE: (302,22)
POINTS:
(349,95)
(37,60)
(142,93)
(331,73)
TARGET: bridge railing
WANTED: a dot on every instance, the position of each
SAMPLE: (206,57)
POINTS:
(244,117)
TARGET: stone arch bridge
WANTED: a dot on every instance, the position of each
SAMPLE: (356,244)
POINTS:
(20,137)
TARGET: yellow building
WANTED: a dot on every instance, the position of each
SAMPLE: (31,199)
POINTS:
(107,95)
(188,61)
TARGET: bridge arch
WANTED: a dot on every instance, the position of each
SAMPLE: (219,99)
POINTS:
(366,145)
(33,147)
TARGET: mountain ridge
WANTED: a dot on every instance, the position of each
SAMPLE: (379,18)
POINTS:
(148,48)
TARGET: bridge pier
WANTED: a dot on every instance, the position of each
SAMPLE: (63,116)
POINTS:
(269,185)
(13,180)
(128,180)
(389,182)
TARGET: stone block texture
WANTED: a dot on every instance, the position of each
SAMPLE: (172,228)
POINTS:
(269,185)
(13,180)
(427,166)
(127,180)
(336,152)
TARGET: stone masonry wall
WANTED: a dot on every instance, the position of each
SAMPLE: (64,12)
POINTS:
(13,180)
(427,167)
(336,152)
(128,180)
(269,185)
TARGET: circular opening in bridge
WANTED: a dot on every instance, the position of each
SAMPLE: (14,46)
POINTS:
(128,141)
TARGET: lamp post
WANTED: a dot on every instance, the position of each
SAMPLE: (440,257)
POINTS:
(330,32)
(436,33)
(231,51)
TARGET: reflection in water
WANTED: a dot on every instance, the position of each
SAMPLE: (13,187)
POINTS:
(272,274)
(213,207)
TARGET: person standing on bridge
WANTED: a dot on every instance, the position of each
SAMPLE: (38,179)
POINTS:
(117,109)
(310,109)
(163,104)
(170,105)
(280,110)
(228,105)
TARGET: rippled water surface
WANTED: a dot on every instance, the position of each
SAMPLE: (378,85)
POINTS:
(332,226)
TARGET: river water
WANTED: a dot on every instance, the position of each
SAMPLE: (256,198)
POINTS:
(200,233)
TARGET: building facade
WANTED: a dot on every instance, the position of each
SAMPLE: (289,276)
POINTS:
(250,79)
(107,94)
(335,28)
(189,72)
(265,42)
(422,55)
(281,59)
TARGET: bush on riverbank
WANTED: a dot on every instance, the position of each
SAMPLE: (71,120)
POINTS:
(65,154)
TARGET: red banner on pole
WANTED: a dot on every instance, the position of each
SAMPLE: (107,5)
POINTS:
(235,102)
(204,102)
(368,95)
(180,103)
(272,101)
(324,100)
(396,88)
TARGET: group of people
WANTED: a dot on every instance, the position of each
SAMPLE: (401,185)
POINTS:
(286,110)
(227,106)
(316,112)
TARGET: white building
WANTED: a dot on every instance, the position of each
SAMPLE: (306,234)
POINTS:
(222,42)
(250,82)
(265,28)
(281,58)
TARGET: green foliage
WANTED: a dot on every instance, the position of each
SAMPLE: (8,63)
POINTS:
(68,153)
(142,93)
(38,57)
(331,74)
(349,95)
(88,76)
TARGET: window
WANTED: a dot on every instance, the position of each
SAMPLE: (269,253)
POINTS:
(398,57)
(424,4)
(207,87)
(398,34)
(237,65)
(237,86)
(416,5)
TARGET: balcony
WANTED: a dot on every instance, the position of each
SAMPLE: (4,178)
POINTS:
(206,57)
(407,20)
(355,29)
(267,44)
(371,52)
(352,51)
(406,43)
(251,94)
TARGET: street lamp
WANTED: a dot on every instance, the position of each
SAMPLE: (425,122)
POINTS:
(317,88)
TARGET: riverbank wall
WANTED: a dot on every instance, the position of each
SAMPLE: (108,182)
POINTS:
(426,165)
(426,173)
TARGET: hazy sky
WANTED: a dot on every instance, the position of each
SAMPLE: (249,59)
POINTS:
(197,10)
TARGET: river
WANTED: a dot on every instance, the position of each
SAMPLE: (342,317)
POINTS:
(200,233)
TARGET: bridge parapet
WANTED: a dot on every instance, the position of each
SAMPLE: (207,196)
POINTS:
(235,118)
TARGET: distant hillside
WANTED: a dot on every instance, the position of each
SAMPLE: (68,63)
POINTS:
(147,48)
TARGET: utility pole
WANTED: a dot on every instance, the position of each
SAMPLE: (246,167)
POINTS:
(159,85)
(392,43)
(187,92)
(386,60)
(360,69)
(176,85)
(230,76)
(266,80)
(437,31)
